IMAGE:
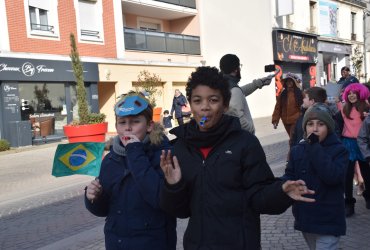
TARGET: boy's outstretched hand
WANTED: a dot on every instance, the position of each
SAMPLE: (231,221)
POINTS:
(170,167)
(295,190)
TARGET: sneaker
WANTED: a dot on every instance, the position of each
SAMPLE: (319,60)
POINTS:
(350,209)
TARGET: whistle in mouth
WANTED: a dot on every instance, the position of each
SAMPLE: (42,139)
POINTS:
(202,121)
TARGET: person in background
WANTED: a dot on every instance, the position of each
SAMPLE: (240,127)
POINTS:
(167,120)
(350,118)
(346,78)
(321,162)
(230,66)
(178,102)
(218,176)
(310,97)
(127,189)
(288,104)
(363,173)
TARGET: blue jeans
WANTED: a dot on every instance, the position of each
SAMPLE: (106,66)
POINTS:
(321,242)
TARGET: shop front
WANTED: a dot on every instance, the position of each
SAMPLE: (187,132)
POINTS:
(295,52)
(331,58)
(38,97)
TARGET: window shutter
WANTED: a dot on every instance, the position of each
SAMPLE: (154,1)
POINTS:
(40,4)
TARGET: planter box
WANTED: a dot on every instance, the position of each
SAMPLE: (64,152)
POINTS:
(157,112)
(86,133)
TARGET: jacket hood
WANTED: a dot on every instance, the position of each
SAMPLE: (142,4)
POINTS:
(157,135)
(232,80)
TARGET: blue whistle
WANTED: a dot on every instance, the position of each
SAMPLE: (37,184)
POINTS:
(202,121)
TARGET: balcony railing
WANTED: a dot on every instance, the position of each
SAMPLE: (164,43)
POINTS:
(185,3)
(92,33)
(42,27)
(161,42)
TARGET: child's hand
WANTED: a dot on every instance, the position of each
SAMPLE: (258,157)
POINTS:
(127,139)
(295,190)
(93,190)
(171,169)
(312,138)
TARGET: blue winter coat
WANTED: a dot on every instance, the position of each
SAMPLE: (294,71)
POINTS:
(177,103)
(130,199)
(323,167)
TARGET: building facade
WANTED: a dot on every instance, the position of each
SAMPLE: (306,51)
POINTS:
(119,39)
(116,40)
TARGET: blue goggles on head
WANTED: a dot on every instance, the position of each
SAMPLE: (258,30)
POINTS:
(130,105)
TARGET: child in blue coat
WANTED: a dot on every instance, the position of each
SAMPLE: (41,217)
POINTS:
(321,161)
(127,189)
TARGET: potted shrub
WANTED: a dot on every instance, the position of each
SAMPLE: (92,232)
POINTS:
(90,127)
(149,83)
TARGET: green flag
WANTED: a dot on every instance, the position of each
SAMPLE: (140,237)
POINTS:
(78,158)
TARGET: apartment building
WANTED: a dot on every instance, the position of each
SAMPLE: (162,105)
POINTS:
(318,38)
(116,41)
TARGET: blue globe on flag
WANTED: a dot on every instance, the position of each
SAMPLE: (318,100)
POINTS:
(77,158)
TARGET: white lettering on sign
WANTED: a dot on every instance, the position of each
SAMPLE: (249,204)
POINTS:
(42,68)
(4,67)
(28,69)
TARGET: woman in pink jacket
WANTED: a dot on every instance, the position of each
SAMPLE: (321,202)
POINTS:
(352,114)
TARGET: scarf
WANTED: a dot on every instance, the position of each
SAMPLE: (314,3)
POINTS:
(118,147)
(202,139)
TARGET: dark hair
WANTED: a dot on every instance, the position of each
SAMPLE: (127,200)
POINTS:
(345,68)
(361,106)
(166,112)
(211,77)
(229,63)
(317,94)
(297,95)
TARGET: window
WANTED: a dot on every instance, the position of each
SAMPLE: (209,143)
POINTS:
(46,107)
(90,20)
(149,24)
(313,16)
(353,22)
(41,17)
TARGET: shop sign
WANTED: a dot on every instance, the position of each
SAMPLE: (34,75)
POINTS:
(292,47)
(21,69)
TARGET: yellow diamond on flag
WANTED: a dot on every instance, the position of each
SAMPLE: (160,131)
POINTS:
(77,158)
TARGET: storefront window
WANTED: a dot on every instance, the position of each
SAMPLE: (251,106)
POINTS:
(44,105)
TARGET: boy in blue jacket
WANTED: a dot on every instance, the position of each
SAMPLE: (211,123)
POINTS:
(321,161)
(127,189)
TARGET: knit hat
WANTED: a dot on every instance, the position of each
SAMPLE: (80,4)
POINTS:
(131,104)
(319,111)
(229,63)
(361,90)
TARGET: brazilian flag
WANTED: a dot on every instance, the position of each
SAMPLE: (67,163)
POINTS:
(78,158)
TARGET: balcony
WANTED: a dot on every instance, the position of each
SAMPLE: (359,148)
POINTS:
(161,42)
(185,3)
(42,27)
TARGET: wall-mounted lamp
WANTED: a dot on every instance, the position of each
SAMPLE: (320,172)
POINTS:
(203,62)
